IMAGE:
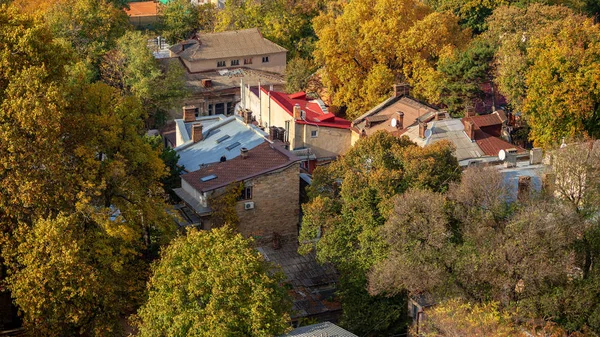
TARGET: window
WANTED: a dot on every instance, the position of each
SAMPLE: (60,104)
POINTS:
(248,61)
(220,63)
(235,62)
(233,146)
(287,131)
(314,133)
(246,193)
(265,59)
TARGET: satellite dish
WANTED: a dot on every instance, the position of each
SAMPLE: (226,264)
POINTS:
(428,133)
(502,155)
(394,122)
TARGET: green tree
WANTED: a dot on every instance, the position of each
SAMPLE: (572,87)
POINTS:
(178,21)
(132,68)
(91,27)
(298,73)
(349,215)
(370,45)
(75,276)
(210,283)
(462,75)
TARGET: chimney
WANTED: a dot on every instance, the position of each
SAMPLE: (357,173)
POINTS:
(189,113)
(548,183)
(297,112)
(524,188)
(273,132)
(470,129)
(244,153)
(400,120)
(402,89)
(247,114)
(469,111)
(535,156)
(422,129)
(197,132)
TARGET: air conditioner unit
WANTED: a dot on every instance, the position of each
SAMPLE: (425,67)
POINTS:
(249,205)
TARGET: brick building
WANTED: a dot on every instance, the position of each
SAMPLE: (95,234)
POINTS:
(269,202)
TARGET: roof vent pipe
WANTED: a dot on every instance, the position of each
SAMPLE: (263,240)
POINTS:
(244,153)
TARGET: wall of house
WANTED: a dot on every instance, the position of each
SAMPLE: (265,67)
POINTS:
(193,192)
(276,63)
(329,142)
(271,114)
(354,137)
(276,205)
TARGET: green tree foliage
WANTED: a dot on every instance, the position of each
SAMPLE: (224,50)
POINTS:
(132,68)
(370,45)
(462,75)
(298,73)
(75,276)
(214,283)
(563,84)
(90,26)
(223,206)
(350,201)
(179,20)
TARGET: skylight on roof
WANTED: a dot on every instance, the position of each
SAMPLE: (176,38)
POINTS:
(232,146)
(220,140)
(207,178)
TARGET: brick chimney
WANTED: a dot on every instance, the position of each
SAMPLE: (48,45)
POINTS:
(400,120)
(197,132)
(273,132)
(244,153)
(402,89)
(422,129)
(189,113)
(524,188)
(247,114)
(297,112)
(470,129)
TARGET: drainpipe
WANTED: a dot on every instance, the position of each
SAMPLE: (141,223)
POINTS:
(269,106)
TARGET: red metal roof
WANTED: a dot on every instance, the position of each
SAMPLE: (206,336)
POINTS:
(491,145)
(314,112)
(484,120)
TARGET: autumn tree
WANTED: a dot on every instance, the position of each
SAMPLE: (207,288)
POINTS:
(75,275)
(178,20)
(298,73)
(210,283)
(370,45)
(563,86)
(351,200)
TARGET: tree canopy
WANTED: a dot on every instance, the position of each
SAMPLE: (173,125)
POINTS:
(210,283)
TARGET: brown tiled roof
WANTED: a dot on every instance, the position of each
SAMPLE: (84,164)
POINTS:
(496,118)
(491,145)
(262,159)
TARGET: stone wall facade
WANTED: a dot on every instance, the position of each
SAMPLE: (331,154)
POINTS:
(276,205)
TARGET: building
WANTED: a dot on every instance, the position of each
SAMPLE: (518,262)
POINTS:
(214,65)
(231,49)
(313,133)
(325,329)
(143,14)
(218,3)
(268,206)
(204,140)
(393,115)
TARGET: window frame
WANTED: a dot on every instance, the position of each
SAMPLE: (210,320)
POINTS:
(314,133)
(246,194)
(221,64)
(248,61)
(265,59)
(235,63)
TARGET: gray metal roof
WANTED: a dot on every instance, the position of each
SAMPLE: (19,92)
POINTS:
(208,150)
(325,329)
